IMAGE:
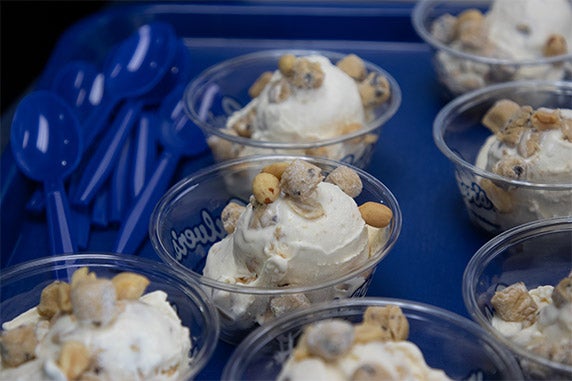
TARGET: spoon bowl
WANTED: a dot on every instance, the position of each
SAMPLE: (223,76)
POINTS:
(132,69)
(47,144)
(45,137)
(80,84)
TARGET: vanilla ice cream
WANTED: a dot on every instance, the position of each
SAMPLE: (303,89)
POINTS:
(102,330)
(539,319)
(523,30)
(336,350)
(532,146)
(298,229)
(308,99)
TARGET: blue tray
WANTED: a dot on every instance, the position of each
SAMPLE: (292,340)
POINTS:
(437,238)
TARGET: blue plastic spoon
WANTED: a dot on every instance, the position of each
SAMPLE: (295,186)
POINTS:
(179,136)
(145,57)
(47,143)
(80,84)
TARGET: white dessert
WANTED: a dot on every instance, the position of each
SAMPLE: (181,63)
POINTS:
(336,350)
(532,146)
(308,99)
(539,319)
(96,329)
(297,230)
(522,30)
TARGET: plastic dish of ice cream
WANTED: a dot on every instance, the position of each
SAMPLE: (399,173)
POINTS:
(518,287)
(266,235)
(476,43)
(511,146)
(304,102)
(371,339)
(103,317)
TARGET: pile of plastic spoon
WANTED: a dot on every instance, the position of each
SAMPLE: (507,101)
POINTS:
(118,113)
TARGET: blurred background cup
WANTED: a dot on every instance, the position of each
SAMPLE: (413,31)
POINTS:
(538,253)
(22,285)
(223,88)
(461,68)
(459,133)
(450,342)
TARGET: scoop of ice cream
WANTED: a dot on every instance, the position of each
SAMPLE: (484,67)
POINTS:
(527,145)
(531,151)
(516,30)
(293,249)
(522,29)
(297,230)
(143,340)
(307,113)
(307,99)
(337,350)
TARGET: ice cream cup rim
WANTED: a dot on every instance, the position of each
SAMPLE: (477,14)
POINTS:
(464,102)
(482,258)
(190,288)
(419,13)
(172,193)
(198,82)
(289,320)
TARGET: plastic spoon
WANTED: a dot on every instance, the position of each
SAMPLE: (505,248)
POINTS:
(47,144)
(80,84)
(179,136)
(147,56)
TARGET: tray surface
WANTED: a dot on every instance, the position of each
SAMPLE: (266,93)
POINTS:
(437,239)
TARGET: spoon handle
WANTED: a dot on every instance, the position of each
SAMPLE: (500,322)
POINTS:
(58,215)
(135,225)
(145,153)
(119,192)
(97,119)
(105,156)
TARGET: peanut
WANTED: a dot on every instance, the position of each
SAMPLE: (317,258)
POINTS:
(376,214)
(353,66)
(129,285)
(266,188)
(286,64)
(259,84)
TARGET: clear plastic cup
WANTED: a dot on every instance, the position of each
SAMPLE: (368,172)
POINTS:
(186,223)
(450,342)
(538,253)
(22,284)
(462,70)
(459,133)
(222,89)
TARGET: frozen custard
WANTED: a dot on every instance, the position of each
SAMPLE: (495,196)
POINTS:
(375,349)
(539,319)
(96,329)
(299,228)
(524,30)
(307,99)
(532,145)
